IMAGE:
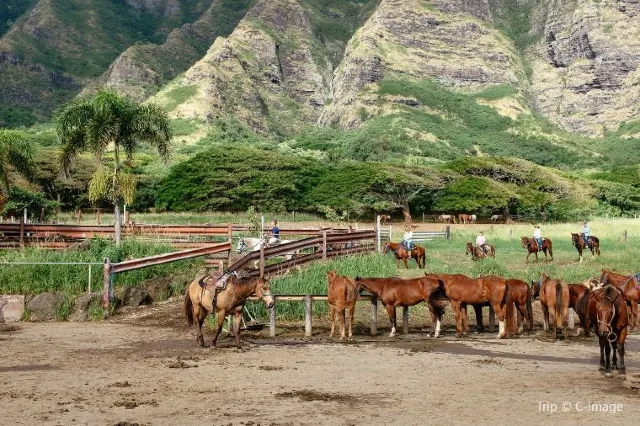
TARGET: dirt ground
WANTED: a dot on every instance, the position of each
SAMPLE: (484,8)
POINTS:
(144,367)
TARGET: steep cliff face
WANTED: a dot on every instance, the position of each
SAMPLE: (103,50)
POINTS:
(413,40)
(270,73)
(586,68)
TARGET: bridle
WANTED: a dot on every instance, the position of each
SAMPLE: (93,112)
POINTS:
(244,245)
(611,336)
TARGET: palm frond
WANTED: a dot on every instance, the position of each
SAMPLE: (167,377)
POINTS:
(151,125)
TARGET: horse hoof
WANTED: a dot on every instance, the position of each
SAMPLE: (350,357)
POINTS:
(608,375)
(601,368)
(622,376)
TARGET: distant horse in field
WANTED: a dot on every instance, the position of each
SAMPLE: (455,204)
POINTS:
(473,218)
(578,241)
(496,217)
(417,252)
(606,311)
(462,291)
(200,299)
(447,218)
(554,299)
(342,294)
(476,252)
(519,297)
(465,218)
(532,247)
(394,292)
(630,288)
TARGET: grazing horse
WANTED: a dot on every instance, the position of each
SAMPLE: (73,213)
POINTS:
(630,288)
(198,302)
(464,218)
(394,292)
(476,252)
(578,242)
(473,218)
(554,299)
(417,252)
(606,310)
(495,218)
(341,295)
(462,291)
(520,297)
(532,247)
(447,218)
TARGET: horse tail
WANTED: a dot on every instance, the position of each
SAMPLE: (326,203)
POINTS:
(188,308)
(559,317)
(529,310)
(424,259)
(510,310)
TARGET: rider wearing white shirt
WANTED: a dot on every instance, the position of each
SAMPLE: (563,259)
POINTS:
(537,235)
(481,241)
(407,240)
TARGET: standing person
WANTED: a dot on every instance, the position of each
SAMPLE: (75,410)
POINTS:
(586,232)
(407,240)
(275,233)
(481,242)
(537,235)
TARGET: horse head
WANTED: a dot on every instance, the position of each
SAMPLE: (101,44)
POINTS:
(331,275)
(606,312)
(263,291)
(386,247)
(575,238)
(469,249)
(603,277)
(525,242)
(242,245)
(535,289)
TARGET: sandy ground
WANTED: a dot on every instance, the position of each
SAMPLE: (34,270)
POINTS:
(145,368)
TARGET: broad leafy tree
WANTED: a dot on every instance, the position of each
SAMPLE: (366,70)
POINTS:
(111,127)
(16,154)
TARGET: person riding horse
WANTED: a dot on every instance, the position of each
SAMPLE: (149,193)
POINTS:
(275,234)
(537,235)
(585,231)
(407,240)
(482,242)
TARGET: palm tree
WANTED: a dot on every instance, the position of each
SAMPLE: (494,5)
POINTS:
(108,121)
(16,153)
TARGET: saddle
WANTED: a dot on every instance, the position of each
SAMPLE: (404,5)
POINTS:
(215,284)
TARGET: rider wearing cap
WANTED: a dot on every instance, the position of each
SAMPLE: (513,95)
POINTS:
(586,232)
(407,238)
(537,235)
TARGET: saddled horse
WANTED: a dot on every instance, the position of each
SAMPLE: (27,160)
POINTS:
(519,297)
(532,247)
(476,252)
(394,292)
(417,252)
(462,291)
(199,300)
(554,299)
(342,294)
(578,241)
(606,310)
(254,244)
(630,288)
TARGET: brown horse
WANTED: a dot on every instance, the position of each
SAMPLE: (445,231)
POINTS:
(384,218)
(417,252)
(342,294)
(394,292)
(578,241)
(532,247)
(465,218)
(606,310)
(462,291)
(198,302)
(476,252)
(630,288)
(576,293)
(520,297)
(554,299)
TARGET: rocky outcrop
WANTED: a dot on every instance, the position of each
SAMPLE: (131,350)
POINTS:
(44,306)
(134,296)
(413,39)
(80,311)
(586,68)
(268,73)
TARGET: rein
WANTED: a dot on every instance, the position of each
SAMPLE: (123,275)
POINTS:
(611,336)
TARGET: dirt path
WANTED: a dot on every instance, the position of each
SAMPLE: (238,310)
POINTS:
(136,369)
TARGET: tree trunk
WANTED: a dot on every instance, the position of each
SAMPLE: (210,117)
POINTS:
(118,224)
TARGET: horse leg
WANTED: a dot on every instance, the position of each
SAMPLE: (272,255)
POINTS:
(500,313)
(537,260)
(621,339)
(456,310)
(614,350)
(237,320)
(552,322)
(602,342)
(479,324)
(332,315)
(220,316)
(342,325)
(352,310)
(197,312)
(521,315)
(406,264)
(634,314)
(607,359)
(528,254)
(391,310)
(465,319)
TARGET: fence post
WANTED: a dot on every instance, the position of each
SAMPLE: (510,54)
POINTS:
(98,217)
(230,237)
(374,315)
(89,283)
(324,245)
(261,226)
(572,319)
(272,319)
(24,214)
(447,231)
(308,304)
(510,233)
(106,289)
(378,234)
(294,215)
(405,320)
(492,320)
(625,235)
(261,261)
(22,233)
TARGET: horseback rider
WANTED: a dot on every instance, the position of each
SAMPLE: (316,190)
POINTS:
(537,235)
(482,242)
(407,240)
(586,232)
(275,233)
